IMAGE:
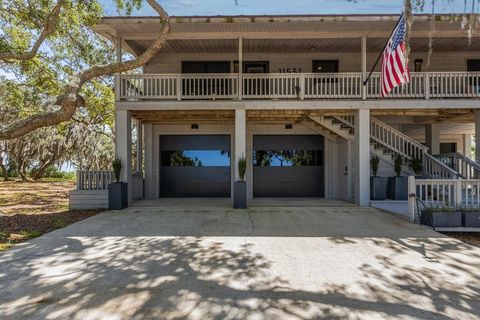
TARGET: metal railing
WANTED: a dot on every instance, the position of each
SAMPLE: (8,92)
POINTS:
(231,86)
(94,180)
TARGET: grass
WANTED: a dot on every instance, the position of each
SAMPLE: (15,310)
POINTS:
(30,209)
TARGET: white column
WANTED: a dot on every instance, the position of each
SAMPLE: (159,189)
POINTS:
(139,167)
(467,145)
(240,138)
(117,76)
(432,138)
(362,156)
(240,68)
(123,147)
(150,190)
(364,65)
(477,135)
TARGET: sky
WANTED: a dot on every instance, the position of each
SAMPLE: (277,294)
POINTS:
(261,7)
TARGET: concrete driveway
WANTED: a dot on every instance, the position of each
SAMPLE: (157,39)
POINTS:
(265,263)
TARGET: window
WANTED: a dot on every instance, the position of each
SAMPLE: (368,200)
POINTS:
(325,66)
(418,65)
(195,158)
(287,158)
(206,67)
(473,64)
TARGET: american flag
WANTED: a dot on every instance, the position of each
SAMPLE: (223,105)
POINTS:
(395,70)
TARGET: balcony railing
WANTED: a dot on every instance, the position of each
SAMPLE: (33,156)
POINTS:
(312,86)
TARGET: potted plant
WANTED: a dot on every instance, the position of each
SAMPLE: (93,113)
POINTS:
(417,167)
(398,185)
(471,218)
(442,217)
(240,186)
(377,184)
(117,191)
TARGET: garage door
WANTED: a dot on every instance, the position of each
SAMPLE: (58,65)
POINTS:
(288,166)
(195,166)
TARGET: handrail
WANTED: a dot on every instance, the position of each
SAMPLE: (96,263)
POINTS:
(466,167)
(94,180)
(409,148)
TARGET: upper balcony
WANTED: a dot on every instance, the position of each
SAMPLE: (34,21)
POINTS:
(299,86)
(289,48)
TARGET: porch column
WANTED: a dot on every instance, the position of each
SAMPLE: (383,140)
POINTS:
(362,156)
(240,68)
(240,138)
(123,147)
(364,66)
(477,135)
(149,168)
(117,75)
(139,167)
(467,145)
(432,138)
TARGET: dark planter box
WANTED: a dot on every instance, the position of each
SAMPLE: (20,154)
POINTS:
(117,196)
(446,219)
(397,188)
(471,219)
(239,195)
(378,188)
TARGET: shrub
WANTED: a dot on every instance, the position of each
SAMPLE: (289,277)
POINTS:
(374,162)
(417,166)
(242,168)
(117,168)
(398,165)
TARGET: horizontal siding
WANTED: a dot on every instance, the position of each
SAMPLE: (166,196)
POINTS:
(348,62)
(88,199)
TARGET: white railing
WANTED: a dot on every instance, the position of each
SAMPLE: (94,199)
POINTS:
(466,167)
(94,180)
(333,85)
(208,86)
(231,86)
(446,193)
(416,88)
(410,149)
(454,84)
(271,86)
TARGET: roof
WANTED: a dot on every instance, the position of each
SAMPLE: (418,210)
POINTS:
(297,32)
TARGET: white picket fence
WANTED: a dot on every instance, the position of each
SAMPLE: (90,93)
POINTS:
(231,86)
(443,193)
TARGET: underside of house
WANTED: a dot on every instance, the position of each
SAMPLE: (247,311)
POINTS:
(287,93)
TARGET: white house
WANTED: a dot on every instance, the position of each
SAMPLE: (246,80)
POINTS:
(276,88)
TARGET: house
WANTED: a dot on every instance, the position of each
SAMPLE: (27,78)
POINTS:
(287,93)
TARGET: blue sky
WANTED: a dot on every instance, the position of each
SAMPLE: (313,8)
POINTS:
(251,7)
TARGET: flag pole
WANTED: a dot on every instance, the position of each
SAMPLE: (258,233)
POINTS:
(381,53)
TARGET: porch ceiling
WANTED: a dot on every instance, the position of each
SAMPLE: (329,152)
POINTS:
(302,45)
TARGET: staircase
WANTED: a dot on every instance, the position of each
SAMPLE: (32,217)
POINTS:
(466,167)
(388,143)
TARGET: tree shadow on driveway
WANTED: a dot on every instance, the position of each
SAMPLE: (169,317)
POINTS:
(76,275)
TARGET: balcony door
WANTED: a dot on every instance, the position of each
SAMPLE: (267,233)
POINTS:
(257,86)
(204,86)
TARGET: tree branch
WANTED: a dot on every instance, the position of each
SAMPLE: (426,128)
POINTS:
(67,103)
(49,26)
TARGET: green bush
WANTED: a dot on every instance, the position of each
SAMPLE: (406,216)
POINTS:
(374,162)
(117,168)
(398,165)
(242,168)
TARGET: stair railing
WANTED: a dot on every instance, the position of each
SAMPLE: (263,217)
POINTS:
(401,144)
(466,167)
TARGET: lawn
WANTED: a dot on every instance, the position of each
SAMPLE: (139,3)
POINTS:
(30,209)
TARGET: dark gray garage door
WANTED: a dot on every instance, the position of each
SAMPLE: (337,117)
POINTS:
(195,166)
(288,166)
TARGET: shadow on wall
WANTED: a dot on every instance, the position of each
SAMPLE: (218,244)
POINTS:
(198,278)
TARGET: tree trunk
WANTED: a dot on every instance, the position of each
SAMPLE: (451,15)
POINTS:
(4,169)
(41,172)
